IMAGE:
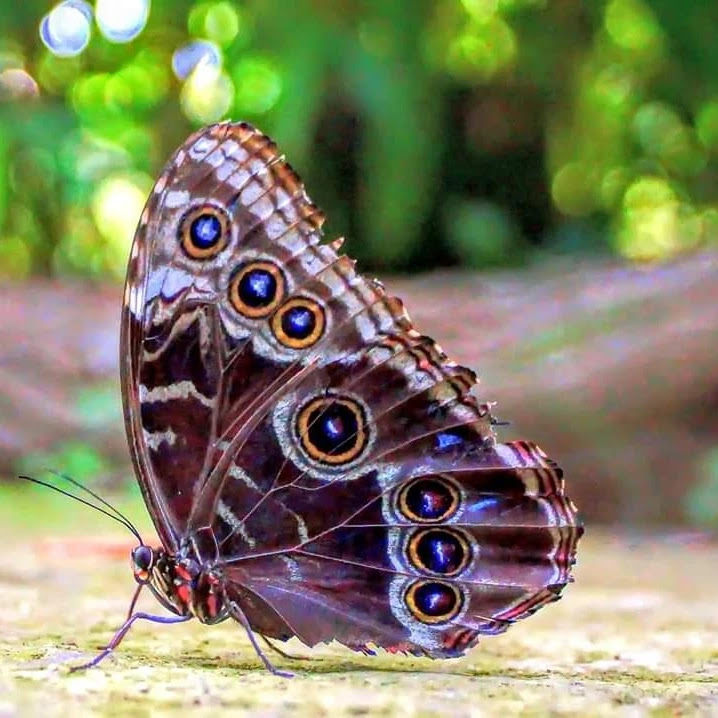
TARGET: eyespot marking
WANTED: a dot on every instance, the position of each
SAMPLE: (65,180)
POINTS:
(204,231)
(332,430)
(256,289)
(429,499)
(299,323)
(439,551)
(433,602)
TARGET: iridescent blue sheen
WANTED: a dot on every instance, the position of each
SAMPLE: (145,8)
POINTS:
(334,428)
(444,442)
(430,505)
(484,504)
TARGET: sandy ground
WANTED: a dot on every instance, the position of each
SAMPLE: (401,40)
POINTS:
(637,634)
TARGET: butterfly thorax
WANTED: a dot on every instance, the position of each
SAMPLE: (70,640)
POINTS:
(183,585)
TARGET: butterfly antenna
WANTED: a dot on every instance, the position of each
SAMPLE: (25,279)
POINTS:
(119,520)
(97,497)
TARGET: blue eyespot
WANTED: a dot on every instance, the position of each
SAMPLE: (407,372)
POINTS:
(433,601)
(332,430)
(298,322)
(332,425)
(429,499)
(257,288)
(439,551)
(205,231)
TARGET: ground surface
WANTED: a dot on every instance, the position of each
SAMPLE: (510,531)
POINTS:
(637,634)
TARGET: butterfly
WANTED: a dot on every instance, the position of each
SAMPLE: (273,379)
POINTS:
(314,466)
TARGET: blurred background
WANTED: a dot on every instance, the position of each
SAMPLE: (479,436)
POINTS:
(538,179)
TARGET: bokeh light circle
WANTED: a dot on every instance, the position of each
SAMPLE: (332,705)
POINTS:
(116,205)
(17,84)
(221,23)
(207,94)
(187,58)
(65,30)
(258,83)
(122,20)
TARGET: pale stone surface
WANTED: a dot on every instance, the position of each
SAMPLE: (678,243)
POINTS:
(637,634)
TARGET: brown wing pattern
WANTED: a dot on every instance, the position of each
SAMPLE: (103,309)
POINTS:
(351,479)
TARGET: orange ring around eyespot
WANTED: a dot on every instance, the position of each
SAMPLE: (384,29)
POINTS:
(405,509)
(191,249)
(310,339)
(412,550)
(256,312)
(360,438)
(410,601)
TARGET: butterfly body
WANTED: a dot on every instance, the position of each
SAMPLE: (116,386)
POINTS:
(314,466)
(182,584)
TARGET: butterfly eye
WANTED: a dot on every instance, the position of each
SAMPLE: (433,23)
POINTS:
(143,558)
(333,430)
(299,323)
(439,551)
(433,601)
(257,289)
(429,500)
(204,231)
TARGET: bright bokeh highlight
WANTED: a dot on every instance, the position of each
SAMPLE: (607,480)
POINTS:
(207,95)
(189,57)
(221,23)
(542,126)
(65,30)
(655,223)
(121,20)
(116,206)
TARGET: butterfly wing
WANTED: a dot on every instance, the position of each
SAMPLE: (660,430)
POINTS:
(184,384)
(467,545)
(283,407)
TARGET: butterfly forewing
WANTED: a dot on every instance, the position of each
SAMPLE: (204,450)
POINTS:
(350,481)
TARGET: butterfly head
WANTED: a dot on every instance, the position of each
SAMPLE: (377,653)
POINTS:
(143,561)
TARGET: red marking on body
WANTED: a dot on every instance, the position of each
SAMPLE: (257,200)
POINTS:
(181,571)
(212,605)
(183,593)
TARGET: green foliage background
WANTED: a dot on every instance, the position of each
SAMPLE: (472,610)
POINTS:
(473,132)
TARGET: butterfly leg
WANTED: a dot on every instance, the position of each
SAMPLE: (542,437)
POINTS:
(282,653)
(133,602)
(117,638)
(238,614)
